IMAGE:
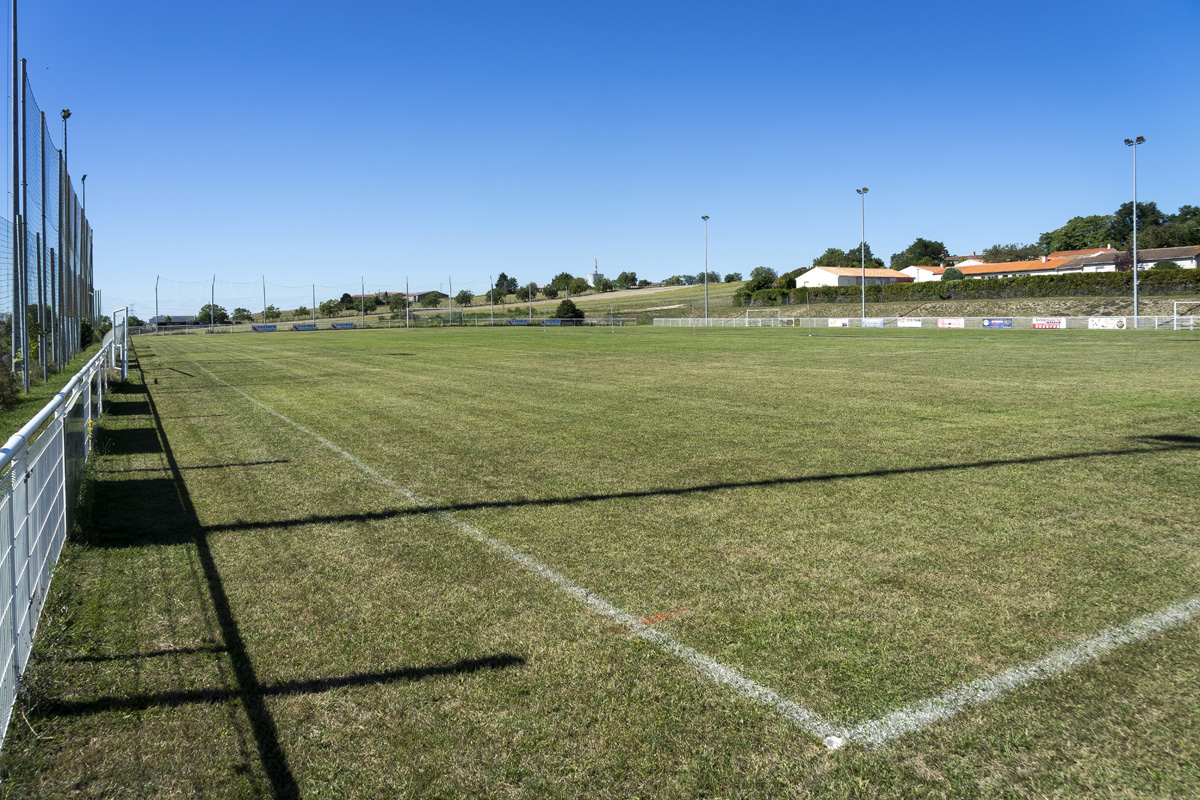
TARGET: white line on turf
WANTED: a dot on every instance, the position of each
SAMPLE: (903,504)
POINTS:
(873,732)
(924,712)
(708,667)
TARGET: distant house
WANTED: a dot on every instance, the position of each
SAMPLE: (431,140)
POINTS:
(1106,261)
(173,319)
(922,274)
(849,276)
(1096,259)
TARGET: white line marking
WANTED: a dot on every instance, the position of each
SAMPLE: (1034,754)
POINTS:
(873,732)
(813,723)
(925,712)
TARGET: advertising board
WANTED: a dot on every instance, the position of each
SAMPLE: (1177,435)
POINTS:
(304,326)
(951,322)
(873,322)
(991,322)
(1106,323)
(342,326)
(908,323)
(1049,322)
(262,328)
(839,322)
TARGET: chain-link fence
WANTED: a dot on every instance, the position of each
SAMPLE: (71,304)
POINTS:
(45,250)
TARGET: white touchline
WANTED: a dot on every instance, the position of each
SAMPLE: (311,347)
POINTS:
(924,712)
(873,732)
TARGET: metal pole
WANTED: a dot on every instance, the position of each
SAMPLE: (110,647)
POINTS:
(1134,144)
(264,277)
(212,305)
(362,287)
(22,226)
(450,283)
(705,218)
(492,299)
(862,193)
(16,188)
(314,308)
(157,318)
(407,304)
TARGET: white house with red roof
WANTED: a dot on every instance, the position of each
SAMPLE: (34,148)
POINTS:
(849,276)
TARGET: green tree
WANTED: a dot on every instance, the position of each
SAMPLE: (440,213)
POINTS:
(568,310)
(851,257)
(136,321)
(674,280)
(506,284)
(603,284)
(1080,233)
(348,303)
(627,280)
(527,292)
(1166,265)
(760,278)
(922,252)
(331,308)
(242,315)
(562,280)
(433,300)
(733,277)
(218,314)
(397,303)
(550,292)
(1002,253)
(464,298)
(952,274)
(496,294)
(577,286)
(272,313)
(301,312)
(1148,217)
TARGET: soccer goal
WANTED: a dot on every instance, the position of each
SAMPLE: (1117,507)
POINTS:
(1184,314)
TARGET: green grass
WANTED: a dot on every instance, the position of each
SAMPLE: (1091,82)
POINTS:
(40,393)
(856,519)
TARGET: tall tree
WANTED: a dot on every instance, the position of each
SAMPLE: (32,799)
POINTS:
(850,257)
(1002,253)
(1148,216)
(464,298)
(922,252)
(1079,233)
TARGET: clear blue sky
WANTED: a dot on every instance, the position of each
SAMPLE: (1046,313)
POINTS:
(317,143)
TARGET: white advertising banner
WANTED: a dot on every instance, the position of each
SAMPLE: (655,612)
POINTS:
(951,322)
(1049,322)
(1106,323)
(839,322)
(873,322)
(908,323)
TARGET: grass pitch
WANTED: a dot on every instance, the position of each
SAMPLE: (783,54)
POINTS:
(856,520)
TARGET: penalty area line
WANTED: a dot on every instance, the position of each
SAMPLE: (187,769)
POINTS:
(710,668)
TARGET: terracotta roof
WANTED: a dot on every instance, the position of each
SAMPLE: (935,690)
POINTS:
(1050,264)
(872,272)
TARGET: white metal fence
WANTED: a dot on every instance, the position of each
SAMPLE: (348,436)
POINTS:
(44,468)
(986,323)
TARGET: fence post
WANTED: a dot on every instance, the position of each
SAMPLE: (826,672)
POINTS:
(19,503)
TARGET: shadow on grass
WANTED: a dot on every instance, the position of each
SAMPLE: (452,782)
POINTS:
(1154,444)
(159,510)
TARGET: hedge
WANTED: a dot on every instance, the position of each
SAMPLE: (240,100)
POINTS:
(1074,284)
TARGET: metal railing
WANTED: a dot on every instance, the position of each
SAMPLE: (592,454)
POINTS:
(42,466)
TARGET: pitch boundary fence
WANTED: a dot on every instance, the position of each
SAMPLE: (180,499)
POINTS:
(43,473)
(1168,322)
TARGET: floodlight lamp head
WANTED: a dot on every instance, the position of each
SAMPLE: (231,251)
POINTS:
(704,217)
(66,112)
(863,190)
(84,178)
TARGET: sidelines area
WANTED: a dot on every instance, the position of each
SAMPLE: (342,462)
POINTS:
(873,732)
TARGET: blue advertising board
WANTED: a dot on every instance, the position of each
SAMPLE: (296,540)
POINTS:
(342,326)
(306,326)
(262,328)
(518,322)
(998,323)
(552,322)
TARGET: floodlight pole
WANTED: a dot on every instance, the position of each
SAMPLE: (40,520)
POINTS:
(314,306)
(212,305)
(450,284)
(407,304)
(705,218)
(362,287)
(492,299)
(157,319)
(264,277)
(1133,143)
(862,193)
